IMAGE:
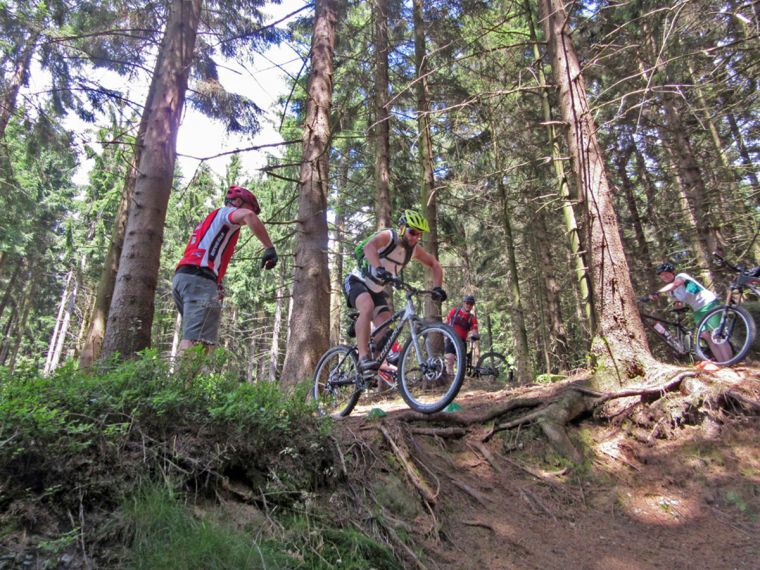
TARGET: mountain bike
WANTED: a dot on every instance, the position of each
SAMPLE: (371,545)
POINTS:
(491,366)
(730,323)
(677,334)
(420,374)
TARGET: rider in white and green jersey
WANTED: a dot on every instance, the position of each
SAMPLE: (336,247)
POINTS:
(685,289)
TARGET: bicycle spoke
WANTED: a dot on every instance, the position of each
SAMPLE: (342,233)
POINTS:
(335,388)
(430,379)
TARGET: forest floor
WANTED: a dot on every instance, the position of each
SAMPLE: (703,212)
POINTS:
(678,488)
(668,479)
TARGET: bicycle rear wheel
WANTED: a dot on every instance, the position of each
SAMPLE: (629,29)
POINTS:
(494,367)
(335,389)
(732,327)
(427,382)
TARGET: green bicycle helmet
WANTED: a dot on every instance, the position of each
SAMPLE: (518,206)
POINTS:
(413,219)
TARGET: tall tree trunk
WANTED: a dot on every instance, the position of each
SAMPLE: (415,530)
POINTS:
(427,179)
(582,279)
(9,286)
(749,165)
(619,342)
(176,337)
(131,314)
(519,332)
(336,290)
(96,328)
(692,186)
(250,370)
(12,87)
(558,346)
(642,255)
(381,127)
(9,324)
(58,322)
(68,304)
(310,318)
(29,297)
(274,351)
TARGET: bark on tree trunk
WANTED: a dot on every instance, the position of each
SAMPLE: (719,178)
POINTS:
(692,186)
(519,332)
(428,198)
(381,127)
(131,314)
(58,323)
(96,329)
(68,306)
(620,343)
(582,279)
(14,84)
(29,298)
(310,317)
(9,286)
(749,165)
(644,258)
(336,291)
(557,332)
(274,351)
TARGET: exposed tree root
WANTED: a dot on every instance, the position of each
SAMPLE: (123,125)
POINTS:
(556,409)
(654,412)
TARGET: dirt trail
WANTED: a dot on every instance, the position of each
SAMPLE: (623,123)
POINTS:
(683,497)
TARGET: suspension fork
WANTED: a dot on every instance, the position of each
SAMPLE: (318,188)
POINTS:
(410,316)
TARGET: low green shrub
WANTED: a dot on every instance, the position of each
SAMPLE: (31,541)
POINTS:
(103,431)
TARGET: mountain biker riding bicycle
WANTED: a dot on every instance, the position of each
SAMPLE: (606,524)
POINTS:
(197,282)
(464,322)
(687,290)
(382,258)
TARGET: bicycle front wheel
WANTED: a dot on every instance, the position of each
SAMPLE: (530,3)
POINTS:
(429,378)
(335,389)
(494,367)
(729,331)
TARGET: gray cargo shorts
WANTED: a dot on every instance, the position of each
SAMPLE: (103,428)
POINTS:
(197,300)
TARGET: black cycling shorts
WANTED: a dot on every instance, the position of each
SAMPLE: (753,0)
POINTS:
(353,287)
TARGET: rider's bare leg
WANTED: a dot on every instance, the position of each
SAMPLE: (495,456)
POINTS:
(722,352)
(366,306)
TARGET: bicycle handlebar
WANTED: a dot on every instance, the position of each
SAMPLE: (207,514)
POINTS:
(399,283)
(723,261)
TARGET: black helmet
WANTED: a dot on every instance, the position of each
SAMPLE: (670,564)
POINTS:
(665,267)
(469,299)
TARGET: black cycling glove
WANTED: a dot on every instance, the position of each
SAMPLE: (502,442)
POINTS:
(381,274)
(269,259)
(438,294)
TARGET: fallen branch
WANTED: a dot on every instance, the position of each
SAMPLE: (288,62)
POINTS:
(480,524)
(409,468)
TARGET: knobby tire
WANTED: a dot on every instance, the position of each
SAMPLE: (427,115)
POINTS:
(428,388)
(334,387)
(742,334)
(496,368)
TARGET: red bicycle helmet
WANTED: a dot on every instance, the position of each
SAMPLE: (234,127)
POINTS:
(246,196)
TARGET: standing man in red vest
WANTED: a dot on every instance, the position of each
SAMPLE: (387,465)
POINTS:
(464,322)
(197,283)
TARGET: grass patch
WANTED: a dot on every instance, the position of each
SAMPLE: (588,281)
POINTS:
(167,536)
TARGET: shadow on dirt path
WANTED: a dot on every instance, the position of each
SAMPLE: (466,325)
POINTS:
(648,495)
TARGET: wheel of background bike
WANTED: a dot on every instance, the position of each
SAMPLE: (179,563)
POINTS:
(740,326)
(424,382)
(493,366)
(334,388)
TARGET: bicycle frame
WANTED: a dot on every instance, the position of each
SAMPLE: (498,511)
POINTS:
(683,332)
(406,315)
(743,281)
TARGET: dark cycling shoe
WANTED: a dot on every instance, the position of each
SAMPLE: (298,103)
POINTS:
(368,368)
